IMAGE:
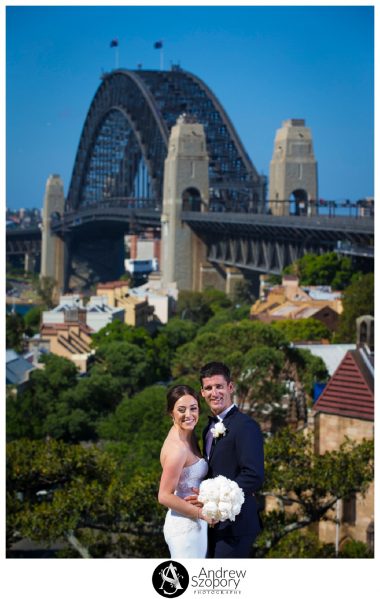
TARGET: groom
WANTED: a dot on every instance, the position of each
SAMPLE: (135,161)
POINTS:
(236,453)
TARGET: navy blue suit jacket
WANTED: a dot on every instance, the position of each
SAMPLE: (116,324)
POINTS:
(239,456)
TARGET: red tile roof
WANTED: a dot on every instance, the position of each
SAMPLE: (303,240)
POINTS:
(350,391)
(112,285)
(52,327)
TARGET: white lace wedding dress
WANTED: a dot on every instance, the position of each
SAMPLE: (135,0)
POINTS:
(187,537)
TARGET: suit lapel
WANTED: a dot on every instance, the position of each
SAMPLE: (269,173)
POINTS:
(232,411)
(204,442)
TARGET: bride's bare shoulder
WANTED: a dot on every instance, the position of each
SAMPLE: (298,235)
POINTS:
(173,451)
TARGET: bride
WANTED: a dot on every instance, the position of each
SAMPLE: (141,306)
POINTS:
(183,468)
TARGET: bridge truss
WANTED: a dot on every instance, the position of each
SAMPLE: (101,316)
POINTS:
(267,244)
(125,136)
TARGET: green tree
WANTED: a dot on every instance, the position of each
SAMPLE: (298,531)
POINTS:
(15,328)
(306,485)
(304,329)
(60,405)
(32,319)
(225,316)
(199,307)
(301,544)
(260,358)
(169,337)
(57,491)
(260,386)
(135,431)
(75,415)
(243,293)
(326,269)
(355,549)
(192,305)
(308,369)
(228,343)
(129,353)
(44,287)
(119,331)
(26,415)
(134,366)
(216,299)
(358,300)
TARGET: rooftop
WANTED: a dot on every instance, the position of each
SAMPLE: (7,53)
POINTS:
(350,391)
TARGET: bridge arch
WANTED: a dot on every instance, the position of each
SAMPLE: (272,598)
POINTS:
(299,202)
(124,140)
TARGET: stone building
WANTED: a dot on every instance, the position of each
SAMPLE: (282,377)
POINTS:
(344,409)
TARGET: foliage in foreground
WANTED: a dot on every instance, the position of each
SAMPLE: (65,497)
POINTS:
(81,494)
(305,485)
(59,491)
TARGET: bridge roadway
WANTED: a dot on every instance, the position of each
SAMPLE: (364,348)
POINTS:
(259,242)
(23,241)
(267,244)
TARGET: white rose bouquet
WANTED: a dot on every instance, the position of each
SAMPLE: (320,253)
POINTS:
(222,498)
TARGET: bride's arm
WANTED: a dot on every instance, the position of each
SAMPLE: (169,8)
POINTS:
(171,470)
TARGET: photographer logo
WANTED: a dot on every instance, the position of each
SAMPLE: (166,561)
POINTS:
(170,579)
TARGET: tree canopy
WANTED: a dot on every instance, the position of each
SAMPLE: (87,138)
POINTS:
(303,329)
(306,485)
(15,328)
(327,269)
(260,358)
(59,404)
(358,300)
(59,491)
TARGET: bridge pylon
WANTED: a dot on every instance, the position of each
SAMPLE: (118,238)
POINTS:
(52,246)
(293,180)
(186,187)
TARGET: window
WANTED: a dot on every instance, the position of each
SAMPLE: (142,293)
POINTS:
(349,509)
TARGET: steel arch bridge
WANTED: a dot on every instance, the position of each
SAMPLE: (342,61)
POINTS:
(124,142)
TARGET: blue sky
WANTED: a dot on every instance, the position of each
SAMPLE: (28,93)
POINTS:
(265,65)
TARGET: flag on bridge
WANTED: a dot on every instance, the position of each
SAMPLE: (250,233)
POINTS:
(114,43)
(158,45)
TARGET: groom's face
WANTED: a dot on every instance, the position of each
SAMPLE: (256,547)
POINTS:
(217,393)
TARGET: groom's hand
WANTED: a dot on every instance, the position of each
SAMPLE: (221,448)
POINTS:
(193,499)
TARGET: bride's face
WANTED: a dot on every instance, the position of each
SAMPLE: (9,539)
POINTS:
(185,412)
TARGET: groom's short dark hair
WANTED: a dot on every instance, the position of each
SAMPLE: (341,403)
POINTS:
(213,368)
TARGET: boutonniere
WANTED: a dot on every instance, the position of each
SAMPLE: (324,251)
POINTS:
(219,430)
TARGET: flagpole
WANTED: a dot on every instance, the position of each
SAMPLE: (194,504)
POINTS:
(116,57)
(160,46)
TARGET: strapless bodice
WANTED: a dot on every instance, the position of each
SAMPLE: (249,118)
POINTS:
(191,476)
(187,537)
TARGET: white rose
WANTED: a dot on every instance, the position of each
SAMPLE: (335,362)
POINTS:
(224,493)
(218,430)
(236,495)
(225,510)
(210,509)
